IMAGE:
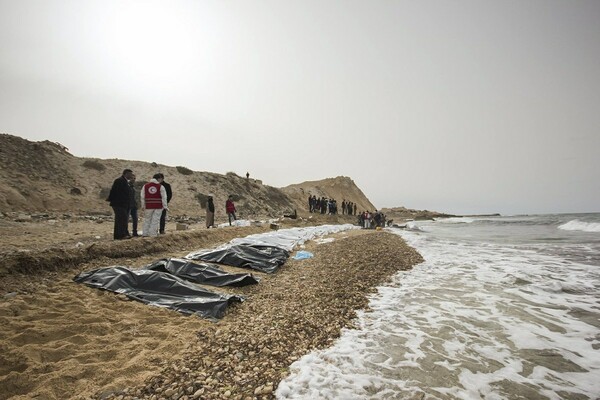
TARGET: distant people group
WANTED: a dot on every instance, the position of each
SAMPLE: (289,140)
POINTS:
(324,205)
(366,219)
(369,220)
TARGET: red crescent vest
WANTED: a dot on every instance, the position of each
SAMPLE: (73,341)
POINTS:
(152,196)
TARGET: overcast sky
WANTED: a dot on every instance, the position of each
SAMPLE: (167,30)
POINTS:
(456,106)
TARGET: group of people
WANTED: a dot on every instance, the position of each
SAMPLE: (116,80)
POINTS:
(329,206)
(210,211)
(154,198)
(369,220)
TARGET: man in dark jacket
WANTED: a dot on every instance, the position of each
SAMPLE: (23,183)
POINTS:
(163,217)
(134,205)
(119,201)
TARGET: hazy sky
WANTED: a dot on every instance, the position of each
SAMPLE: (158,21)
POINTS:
(455,106)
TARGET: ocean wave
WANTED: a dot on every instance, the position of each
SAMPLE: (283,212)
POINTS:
(411,226)
(577,225)
(455,220)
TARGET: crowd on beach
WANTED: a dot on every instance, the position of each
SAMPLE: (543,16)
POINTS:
(366,219)
(327,206)
(153,199)
(369,220)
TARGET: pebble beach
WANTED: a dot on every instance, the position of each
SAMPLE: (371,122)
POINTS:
(63,340)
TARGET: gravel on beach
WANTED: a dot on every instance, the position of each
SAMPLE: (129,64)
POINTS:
(301,308)
(62,340)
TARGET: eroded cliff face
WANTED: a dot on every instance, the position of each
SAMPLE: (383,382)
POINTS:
(44,176)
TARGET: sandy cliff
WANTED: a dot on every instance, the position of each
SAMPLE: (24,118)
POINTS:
(44,176)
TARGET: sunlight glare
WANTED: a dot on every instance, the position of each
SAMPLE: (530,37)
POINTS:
(151,40)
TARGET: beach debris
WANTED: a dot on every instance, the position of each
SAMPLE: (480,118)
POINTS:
(181,226)
(303,255)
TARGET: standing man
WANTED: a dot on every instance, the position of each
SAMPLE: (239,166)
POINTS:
(230,209)
(163,216)
(119,201)
(134,204)
(154,201)
(210,212)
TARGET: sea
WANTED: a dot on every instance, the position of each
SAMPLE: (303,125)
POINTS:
(502,308)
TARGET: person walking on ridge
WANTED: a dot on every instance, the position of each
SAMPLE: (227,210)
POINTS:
(119,201)
(154,201)
(230,209)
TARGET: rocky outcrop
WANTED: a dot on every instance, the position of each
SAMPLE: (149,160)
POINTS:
(403,214)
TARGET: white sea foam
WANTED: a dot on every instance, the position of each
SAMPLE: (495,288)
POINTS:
(413,226)
(576,225)
(456,220)
(473,321)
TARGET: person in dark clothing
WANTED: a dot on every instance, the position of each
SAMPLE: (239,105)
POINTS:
(119,201)
(163,217)
(210,212)
(134,205)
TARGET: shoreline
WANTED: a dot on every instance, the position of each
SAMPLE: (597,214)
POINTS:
(102,346)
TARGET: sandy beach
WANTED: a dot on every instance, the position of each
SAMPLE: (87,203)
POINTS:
(63,340)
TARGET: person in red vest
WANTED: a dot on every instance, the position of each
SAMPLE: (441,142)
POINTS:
(230,209)
(154,201)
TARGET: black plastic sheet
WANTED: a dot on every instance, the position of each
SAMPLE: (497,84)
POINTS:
(160,289)
(261,258)
(203,273)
